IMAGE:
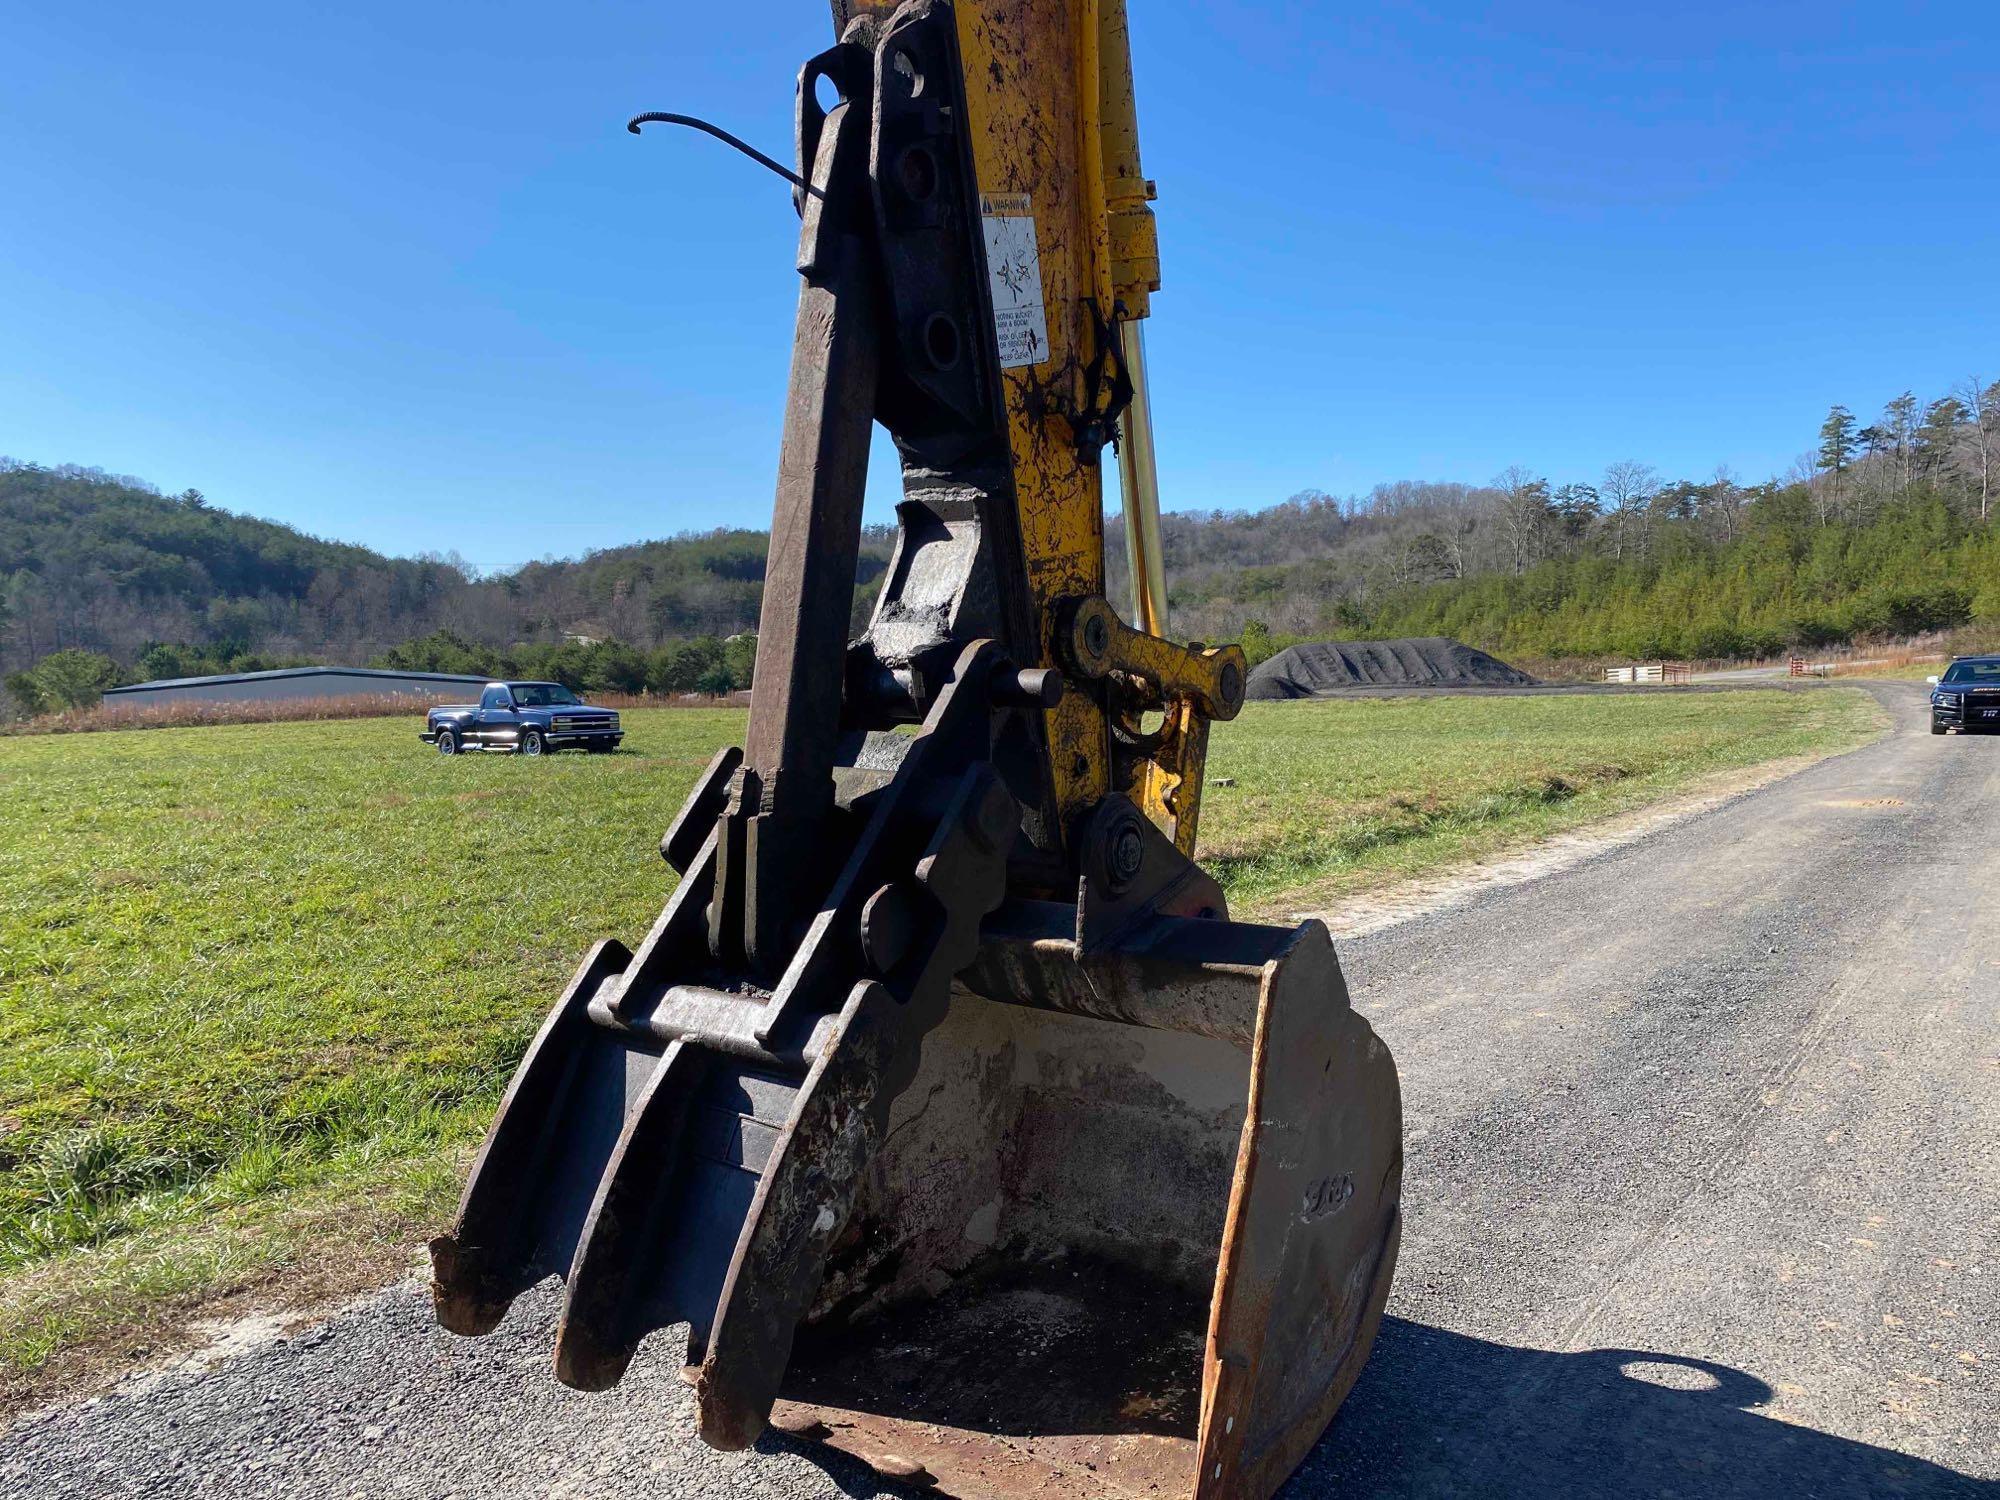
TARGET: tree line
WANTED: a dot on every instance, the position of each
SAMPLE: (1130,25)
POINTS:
(704,664)
(106,563)
(1880,527)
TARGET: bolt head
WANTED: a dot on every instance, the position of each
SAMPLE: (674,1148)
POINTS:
(1096,635)
(1128,853)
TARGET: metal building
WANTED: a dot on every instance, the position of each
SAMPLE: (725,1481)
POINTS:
(295,683)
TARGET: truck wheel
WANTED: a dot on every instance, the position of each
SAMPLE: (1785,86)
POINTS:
(531,742)
(447,742)
(1937,728)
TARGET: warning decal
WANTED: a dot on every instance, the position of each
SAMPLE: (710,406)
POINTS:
(1014,264)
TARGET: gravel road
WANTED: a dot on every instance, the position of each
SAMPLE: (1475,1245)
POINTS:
(1703,1198)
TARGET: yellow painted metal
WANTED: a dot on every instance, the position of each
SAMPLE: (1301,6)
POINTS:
(1133,244)
(1096,644)
(1053,123)
(1164,776)
(1090,126)
(1159,766)
(1139,484)
(1134,238)
(1027,118)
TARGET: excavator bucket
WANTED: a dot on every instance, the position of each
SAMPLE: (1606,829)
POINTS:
(944,1106)
(1096,1257)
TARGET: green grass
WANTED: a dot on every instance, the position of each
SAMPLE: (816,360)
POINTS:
(261,986)
(1331,797)
(241,964)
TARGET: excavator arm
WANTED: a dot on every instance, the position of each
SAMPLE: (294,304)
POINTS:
(943,1103)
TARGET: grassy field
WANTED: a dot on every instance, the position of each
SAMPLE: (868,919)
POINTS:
(1908,671)
(1334,797)
(261,986)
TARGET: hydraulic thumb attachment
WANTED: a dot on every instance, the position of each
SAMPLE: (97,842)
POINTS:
(944,1104)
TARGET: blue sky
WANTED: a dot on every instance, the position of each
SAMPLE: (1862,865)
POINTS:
(396,274)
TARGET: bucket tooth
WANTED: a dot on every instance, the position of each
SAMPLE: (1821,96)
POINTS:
(626,1233)
(529,1193)
(802,1204)
(656,1247)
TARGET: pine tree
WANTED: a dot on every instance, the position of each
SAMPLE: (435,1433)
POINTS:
(1937,441)
(1836,440)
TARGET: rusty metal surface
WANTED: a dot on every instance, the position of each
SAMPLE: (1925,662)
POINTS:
(783,795)
(1063,1376)
(1131,875)
(1044,1165)
(806,1193)
(681,844)
(1170,974)
(1022,1293)
(697,1154)
(823,463)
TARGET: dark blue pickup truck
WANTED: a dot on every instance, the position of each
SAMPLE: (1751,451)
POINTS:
(523,718)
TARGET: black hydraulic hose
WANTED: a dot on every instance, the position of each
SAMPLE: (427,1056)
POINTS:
(661,117)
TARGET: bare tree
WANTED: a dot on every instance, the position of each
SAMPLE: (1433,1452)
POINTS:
(1722,505)
(1628,486)
(1982,436)
(1806,473)
(1523,513)
(1899,419)
(1458,523)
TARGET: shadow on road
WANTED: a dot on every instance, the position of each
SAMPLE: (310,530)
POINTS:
(1438,1413)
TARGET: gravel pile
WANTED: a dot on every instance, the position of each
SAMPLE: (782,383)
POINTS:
(1319,668)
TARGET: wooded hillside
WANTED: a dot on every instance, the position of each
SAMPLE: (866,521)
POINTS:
(106,563)
(1885,528)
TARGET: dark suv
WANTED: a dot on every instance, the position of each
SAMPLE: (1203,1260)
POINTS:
(1967,697)
(523,718)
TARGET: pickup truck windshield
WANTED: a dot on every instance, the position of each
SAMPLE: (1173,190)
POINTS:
(543,695)
(1983,673)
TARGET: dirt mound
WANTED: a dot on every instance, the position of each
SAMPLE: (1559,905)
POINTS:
(1321,667)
